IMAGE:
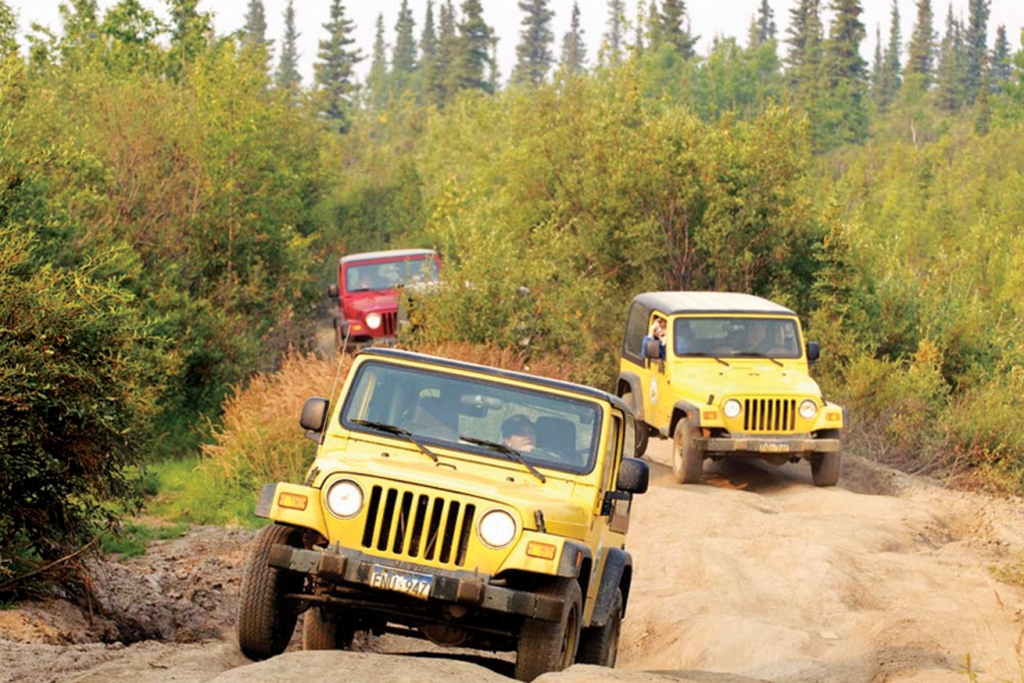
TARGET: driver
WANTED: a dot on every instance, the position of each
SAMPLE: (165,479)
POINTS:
(518,433)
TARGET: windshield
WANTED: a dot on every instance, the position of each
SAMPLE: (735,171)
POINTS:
(481,416)
(736,337)
(383,275)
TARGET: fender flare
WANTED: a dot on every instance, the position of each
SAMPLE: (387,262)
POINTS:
(618,572)
(633,380)
(690,410)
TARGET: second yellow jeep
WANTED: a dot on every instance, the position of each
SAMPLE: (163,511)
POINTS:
(727,378)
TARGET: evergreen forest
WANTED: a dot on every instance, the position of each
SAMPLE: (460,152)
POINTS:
(173,203)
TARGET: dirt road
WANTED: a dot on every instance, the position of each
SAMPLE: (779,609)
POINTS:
(755,575)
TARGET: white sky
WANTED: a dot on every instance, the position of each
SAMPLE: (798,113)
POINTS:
(708,18)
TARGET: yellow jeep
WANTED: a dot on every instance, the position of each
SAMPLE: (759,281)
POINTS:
(729,379)
(471,506)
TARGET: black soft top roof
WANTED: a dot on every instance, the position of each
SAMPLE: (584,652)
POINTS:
(709,303)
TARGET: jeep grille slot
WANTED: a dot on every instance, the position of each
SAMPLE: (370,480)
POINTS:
(407,524)
(769,415)
(388,323)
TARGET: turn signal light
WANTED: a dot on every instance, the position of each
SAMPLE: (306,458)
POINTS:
(709,415)
(544,551)
(833,417)
(292,501)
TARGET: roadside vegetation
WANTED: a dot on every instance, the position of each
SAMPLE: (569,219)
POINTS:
(172,203)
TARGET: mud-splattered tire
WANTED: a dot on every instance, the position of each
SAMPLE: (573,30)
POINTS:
(266,619)
(600,644)
(642,433)
(687,461)
(551,645)
(326,630)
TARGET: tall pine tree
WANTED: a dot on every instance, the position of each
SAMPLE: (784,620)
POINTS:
(533,53)
(287,76)
(950,72)
(335,67)
(976,47)
(673,28)
(887,77)
(254,33)
(403,61)
(847,75)
(614,38)
(476,38)
(377,78)
(920,67)
(574,51)
(762,27)
(1002,67)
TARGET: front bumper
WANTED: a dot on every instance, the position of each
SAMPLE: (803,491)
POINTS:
(767,445)
(353,569)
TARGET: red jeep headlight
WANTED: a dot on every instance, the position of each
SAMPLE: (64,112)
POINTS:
(373,320)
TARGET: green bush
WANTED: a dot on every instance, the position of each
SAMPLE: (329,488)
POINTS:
(78,383)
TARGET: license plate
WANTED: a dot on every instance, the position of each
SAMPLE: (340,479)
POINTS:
(401,581)
(773,448)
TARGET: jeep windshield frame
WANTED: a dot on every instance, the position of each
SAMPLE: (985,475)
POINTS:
(383,275)
(442,407)
(730,336)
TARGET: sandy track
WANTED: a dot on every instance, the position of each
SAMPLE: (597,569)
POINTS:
(754,575)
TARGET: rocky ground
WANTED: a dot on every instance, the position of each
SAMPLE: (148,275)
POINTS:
(754,575)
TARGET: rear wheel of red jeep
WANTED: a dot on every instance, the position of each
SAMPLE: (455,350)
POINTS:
(551,645)
(266,618)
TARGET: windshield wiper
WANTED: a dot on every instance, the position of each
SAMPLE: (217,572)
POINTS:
(511,452)
(397,431)
(755,354)
(701,354)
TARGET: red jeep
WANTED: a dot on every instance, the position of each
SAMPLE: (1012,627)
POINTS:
(367,293)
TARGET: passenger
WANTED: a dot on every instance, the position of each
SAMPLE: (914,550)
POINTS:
(518,433)
(658,330)
(756,333)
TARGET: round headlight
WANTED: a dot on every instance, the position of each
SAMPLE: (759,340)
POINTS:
(808,409)
(497,528)
(732,408)
(373,320)
(345,499)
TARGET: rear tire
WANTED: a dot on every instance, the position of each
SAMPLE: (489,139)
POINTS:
(687,461)
(551,645)
(643,434)
(266,619)
(324,631)
(600,645)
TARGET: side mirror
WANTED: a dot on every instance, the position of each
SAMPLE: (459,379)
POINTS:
(314,416)
(634,476)
(652,348)
(332,291)
(813,351)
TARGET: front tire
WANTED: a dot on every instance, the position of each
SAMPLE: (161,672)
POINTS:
(826,467)
(551,645)
(600,645)
(687,461)
(324,631)
(266,619)
(643,434)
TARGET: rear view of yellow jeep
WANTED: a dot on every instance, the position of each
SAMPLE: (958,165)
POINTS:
(726,375)
(467,505)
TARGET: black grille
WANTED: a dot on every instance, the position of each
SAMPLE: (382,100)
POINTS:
(769,415)
(388,323)
(418,526)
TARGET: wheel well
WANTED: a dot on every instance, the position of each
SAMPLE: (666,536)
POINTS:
(584,576)
(624,584)
(677,415)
